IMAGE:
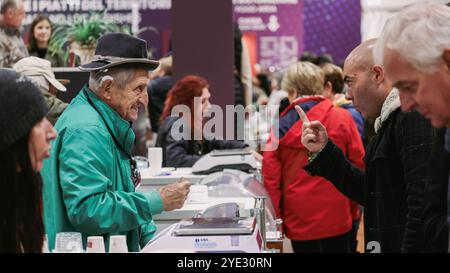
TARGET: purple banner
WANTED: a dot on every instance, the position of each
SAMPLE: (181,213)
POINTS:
(275,26)
(332,27)
(276,31)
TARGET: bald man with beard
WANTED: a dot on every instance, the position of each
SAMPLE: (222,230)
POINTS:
(391,188)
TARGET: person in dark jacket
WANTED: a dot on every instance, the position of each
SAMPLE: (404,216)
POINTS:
(392,187)
(157,91)
(334,90)
(25,136)
(420,68)
(191,92)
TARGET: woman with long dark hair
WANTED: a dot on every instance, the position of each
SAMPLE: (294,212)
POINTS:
(25,136)
(40,33)
(185,152)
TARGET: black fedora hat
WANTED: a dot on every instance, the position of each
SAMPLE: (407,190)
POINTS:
(115,49)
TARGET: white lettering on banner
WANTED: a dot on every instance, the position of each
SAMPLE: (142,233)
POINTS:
(50,6)
(118,5)
(271,2)
(156,4)
(251,23)
(143,4)
(63,5)
(93,5)
(255,9)
(245,9)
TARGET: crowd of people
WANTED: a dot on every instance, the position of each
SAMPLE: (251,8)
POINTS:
(70,167)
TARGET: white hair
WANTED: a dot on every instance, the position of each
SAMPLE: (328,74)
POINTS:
(419,34)
(122,76)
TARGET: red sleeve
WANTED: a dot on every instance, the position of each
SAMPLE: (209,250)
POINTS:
(271,171)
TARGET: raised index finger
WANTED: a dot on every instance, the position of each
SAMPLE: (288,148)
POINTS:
(302,114)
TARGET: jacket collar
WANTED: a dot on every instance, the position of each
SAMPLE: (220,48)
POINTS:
(119,127)
(391,104)
(289,127)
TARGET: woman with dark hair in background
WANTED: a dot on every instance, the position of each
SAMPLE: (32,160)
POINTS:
(25,136)
(39,38)
(185,152)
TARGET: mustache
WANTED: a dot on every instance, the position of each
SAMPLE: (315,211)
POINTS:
(138,105)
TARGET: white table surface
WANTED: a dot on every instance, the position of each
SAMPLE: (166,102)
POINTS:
(168,176)
(246,204)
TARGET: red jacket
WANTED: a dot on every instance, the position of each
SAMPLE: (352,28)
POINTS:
(311,207)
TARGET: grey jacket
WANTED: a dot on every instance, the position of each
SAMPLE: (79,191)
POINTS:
(12,48)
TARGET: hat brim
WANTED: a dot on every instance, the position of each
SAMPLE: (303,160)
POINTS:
(64,81)
(56,83)
(99,65)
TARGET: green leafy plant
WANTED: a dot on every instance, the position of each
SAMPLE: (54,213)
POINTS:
(84,31)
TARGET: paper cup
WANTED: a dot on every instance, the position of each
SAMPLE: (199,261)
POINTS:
(95,244)
(68,242)
(118,244)
(155,158)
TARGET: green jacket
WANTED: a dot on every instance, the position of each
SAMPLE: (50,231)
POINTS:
(87,179)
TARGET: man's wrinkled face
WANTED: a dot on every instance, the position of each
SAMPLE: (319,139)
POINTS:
(429,94)
(127,101)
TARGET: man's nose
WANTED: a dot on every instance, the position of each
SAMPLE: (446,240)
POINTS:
(348,94)
(144,99)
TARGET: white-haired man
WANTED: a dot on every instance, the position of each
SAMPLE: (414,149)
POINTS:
(90,177)
(415,49)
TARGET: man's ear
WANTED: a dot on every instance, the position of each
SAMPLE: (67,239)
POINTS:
(446,57)
(105,87)
(378,74)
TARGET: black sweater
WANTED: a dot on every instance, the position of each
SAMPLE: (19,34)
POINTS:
(435,214)
(184,153)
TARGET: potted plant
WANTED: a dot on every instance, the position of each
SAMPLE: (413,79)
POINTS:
(80,37)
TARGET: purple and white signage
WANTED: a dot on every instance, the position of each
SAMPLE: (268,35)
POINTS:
(276,26)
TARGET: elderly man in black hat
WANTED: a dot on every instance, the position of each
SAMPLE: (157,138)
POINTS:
(90,177)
